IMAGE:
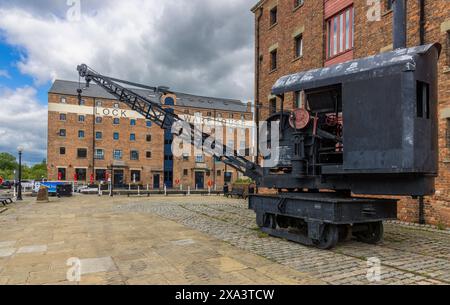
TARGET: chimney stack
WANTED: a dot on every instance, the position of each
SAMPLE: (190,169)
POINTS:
(399,24)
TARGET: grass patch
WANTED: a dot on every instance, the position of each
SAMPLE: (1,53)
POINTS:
(263,235)
(441,226)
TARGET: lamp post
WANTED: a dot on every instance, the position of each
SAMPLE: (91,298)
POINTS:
(19,189)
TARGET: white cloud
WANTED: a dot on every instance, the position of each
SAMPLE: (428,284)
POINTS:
(198,46)
(4,73)
(23,121)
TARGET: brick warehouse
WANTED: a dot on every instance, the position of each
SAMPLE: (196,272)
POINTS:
(298,35)
(89,137)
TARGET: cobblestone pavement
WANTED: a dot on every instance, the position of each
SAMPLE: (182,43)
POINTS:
(409,255)
(53,243)
(135,235)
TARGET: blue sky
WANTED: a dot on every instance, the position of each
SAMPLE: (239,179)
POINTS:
(202,47)
(9,57)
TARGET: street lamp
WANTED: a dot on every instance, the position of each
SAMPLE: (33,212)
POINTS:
(19,190)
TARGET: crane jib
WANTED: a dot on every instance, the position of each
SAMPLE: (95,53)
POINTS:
(162,117)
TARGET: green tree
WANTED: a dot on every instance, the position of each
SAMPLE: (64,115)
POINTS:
(37,171)
(7,162)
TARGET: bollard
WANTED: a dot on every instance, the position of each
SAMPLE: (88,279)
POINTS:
(139,190)
(165,190)
(209,190)
(147,188)
(181,187)
(189,191)
(14,189)
(129,186)
(99,189)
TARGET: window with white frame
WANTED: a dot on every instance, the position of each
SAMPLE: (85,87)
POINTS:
(340,33)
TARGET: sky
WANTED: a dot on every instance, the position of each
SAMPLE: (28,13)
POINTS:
(202,47)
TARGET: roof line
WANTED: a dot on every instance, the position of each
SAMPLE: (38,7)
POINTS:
(257,5)
(176,92)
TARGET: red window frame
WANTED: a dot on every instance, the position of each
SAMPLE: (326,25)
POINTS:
(336,43)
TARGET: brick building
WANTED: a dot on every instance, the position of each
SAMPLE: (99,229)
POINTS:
(89,137)
(298,35)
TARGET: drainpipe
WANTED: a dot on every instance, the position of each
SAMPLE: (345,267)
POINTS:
(422,21)
(399,24)
(422,219)
(257,102)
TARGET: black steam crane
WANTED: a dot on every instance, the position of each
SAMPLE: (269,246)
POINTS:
(368,127)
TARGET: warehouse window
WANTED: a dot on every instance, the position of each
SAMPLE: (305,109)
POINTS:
(448,134)
(100,175)
(228,177)
(148,124)
(273,16)
(98,103)
(273,106)
(99,154)
(116,105)
(99,135)
(298,46)
(117,154)
(63,100)
(273,60)
(133,137)
(388,4)
(116,121)
(448,48)
(199,159)
(134,155)
(185,172)
(62,150)
(132,122)
(219,173)
(81,102)
(340,33)
(148,154)
(81,118)
(98,120)
(61,174)
(148,138)
(81,134)
(62,117)
(116,136)
(62,133)
(81,174)
(81,153)
(136,176)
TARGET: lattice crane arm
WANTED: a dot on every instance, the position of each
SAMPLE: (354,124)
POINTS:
(156,113)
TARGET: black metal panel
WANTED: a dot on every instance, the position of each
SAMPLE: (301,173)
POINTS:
(373,125)
(325,208)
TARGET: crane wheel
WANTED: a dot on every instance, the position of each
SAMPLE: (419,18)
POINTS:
(373,235)
(329,239)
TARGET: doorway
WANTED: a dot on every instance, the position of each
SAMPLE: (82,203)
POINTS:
(156,181)
(200,180)
(119,178)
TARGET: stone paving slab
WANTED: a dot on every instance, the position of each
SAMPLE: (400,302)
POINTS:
(409,255)
(86,236)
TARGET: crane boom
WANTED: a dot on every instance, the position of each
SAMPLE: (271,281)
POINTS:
(166,119)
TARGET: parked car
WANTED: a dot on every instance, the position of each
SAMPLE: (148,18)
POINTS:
(7,185)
